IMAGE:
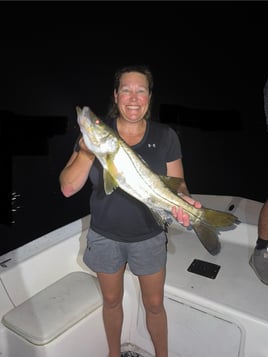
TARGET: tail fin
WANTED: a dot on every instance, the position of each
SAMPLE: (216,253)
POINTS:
(218,219)
(208,237)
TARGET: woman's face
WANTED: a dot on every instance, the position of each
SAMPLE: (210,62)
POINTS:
(133,97)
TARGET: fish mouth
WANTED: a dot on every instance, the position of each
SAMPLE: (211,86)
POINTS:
(83,121)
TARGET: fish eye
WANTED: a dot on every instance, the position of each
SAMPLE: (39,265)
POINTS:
(97,121)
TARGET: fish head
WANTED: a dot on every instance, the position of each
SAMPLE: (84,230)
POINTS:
(98,137)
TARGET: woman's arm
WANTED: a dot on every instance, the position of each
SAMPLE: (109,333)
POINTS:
(75,173)
(175,169)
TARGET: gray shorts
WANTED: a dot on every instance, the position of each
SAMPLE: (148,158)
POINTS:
(105,255)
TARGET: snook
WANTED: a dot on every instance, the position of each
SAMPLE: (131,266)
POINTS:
(125,169)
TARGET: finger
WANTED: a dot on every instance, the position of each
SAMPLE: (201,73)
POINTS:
(190,200)
(179,215)
(186,219)
(197,204)
(186,198)
(174,211)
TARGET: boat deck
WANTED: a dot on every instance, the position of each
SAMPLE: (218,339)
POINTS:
(215,303)
(235,285)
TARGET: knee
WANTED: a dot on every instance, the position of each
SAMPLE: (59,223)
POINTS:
(112,301)
(154,305)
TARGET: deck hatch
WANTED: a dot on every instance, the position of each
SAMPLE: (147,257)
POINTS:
(207,269)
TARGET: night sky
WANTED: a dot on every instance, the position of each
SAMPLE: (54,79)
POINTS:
(210,64)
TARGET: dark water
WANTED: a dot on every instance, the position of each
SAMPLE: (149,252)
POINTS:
(31,202)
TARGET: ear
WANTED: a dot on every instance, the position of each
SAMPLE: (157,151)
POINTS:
(115,96)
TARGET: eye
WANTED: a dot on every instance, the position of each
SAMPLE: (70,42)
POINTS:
(97,121)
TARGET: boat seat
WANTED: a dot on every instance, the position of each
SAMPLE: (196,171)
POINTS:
(53,310)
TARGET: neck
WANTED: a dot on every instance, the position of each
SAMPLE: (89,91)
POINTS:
(132,133)
(131,128)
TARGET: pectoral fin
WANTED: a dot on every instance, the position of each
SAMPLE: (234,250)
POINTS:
(109,174)
(109,183)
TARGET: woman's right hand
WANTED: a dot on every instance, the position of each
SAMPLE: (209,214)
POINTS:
(84,148)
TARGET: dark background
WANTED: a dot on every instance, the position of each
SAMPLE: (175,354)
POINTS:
(209,61)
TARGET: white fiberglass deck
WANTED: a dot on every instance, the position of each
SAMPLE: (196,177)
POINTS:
(225,315)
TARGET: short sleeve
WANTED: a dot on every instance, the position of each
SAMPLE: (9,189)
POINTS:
(174,151)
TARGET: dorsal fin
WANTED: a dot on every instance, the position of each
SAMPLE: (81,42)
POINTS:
(173,183)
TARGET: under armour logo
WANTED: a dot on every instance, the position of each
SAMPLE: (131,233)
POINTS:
(151,145)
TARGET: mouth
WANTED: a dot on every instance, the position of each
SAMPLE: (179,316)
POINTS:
(132,107)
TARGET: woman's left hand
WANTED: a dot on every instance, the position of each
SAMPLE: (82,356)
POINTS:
(179,214)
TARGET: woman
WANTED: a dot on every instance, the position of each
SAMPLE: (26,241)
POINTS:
(122,229)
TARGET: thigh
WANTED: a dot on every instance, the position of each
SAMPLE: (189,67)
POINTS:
(152,288)
(112,286)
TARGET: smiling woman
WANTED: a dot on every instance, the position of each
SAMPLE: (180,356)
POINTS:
(123,230)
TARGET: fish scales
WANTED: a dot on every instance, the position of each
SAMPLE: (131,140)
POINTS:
(150,187)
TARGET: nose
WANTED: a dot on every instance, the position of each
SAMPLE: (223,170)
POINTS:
(133,95)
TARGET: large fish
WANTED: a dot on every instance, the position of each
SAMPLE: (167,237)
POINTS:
(125,169)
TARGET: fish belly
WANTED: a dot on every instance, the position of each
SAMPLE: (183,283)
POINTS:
(136,179)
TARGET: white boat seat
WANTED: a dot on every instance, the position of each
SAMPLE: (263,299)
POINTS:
(55,309)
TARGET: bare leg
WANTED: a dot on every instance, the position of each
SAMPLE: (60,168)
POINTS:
(112,291)
(259,258)
(152,288)
(263,222)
